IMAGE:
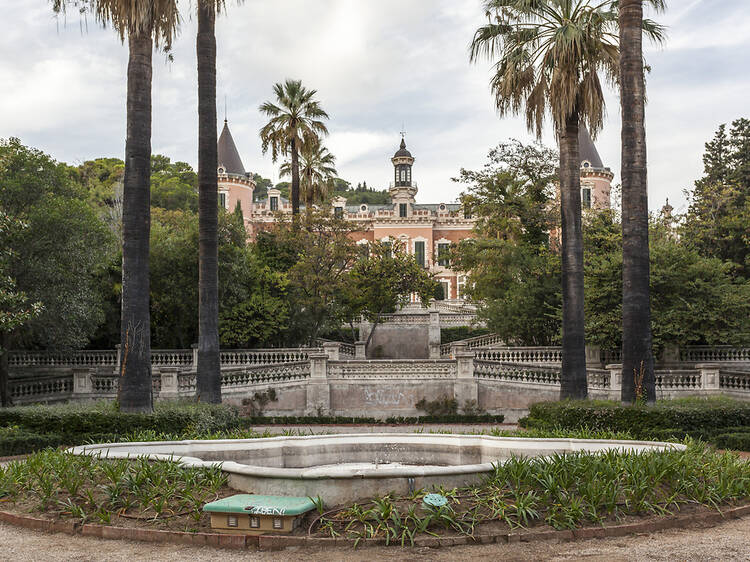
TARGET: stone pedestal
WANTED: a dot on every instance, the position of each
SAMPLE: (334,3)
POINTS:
(169,383)
(82,387)
(615,379)
(594,356)
(318,399)
(433,335)
(195,356)
(360,350)
(709,376)
(465,387)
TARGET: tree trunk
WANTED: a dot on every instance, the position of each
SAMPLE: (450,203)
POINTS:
(135,394)
(5,399)
(295,177)
(573,383)
(208,380)
(637,358)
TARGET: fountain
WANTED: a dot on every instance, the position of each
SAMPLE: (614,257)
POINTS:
(344,468)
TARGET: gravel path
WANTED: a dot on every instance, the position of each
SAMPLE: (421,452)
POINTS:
(728,541)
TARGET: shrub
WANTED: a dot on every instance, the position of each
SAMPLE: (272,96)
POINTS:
(77,424)
(445,405)
(694,417)
(458,333)
(736,441)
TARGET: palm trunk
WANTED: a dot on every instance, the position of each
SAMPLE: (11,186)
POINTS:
(573,383)
(637,358)
(295,178)
(208,380)
(135,394)
(5,399)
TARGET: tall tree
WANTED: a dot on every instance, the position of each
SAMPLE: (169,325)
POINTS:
(208,380)
(550,55)
(637,356)
(317,172)
(295,120)
(144,23)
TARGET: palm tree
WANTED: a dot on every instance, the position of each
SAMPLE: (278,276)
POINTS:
(637,357)
(143,22)
(317,170)
(295,120)
(208,378)
(551,53)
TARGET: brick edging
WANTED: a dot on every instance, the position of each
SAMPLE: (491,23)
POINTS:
(278,542)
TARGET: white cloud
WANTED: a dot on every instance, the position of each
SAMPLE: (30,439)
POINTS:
(376,64)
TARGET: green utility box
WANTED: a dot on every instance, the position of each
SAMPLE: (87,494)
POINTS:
(249,514)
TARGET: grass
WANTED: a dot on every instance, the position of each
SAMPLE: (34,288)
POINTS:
(560,491)
(90,489)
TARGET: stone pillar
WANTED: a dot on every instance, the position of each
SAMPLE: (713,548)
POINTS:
(169,383)
(365,328)
(433,335)
(459,347)
(318,391)
(709,376)
(360,351)
(332,350)
(82,386)
(670,354)
(118,362)
(465,387)
(195,356)
(615,380)
(594,356)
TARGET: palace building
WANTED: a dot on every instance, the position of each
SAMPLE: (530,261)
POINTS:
(427,230)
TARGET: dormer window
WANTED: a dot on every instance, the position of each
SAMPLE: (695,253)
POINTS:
(363,208)
(442,207)
(586,164)
(274,203)
(222,170)
(338,212)
(402,210)
(223,200)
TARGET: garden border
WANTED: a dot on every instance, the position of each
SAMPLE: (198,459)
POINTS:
(279,542)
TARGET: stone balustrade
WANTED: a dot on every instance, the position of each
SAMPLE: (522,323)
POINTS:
(337,379)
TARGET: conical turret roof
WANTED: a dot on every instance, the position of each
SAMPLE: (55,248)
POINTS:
(228,156)
(587,150)
(402,151)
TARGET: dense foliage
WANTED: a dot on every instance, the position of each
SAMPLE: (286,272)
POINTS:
(515,272)
(706,419)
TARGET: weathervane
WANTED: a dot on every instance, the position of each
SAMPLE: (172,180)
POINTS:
(403,130)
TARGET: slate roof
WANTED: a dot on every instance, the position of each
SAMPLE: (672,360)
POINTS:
(402,150)
(587,149)
(229,157)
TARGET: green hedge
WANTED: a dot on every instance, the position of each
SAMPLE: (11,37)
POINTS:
(78,424)
(704,419)
(736,441)
(344,420)
(457,333)
(685,415)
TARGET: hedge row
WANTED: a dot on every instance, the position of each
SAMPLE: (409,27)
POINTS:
(344,420)
(75,424)
(712,420)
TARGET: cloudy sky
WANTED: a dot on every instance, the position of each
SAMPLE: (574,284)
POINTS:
(378,65)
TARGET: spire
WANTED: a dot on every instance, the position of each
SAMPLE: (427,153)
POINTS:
(588,152)
(402,149)
(228,156)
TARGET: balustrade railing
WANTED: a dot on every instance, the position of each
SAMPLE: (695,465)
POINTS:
(347,350)
(599,378)
(241,357)
(411,370)
(521,354)
(38,389)
(514,372)
(171,357)
(712,354)
(734,379)
(92,358)
(678,380)
(264,374)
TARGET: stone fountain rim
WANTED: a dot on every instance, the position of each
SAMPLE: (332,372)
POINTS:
(314,473)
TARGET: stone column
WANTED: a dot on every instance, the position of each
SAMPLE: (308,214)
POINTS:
(670,354)
(118,362)
(169,383)
(360,351)
(365,328)
(433,335)
(594,356)
(465,387)
(82,386)
(318,390)
(195,356)
(615,380)
(709,376)
(332,350)
(459,347)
